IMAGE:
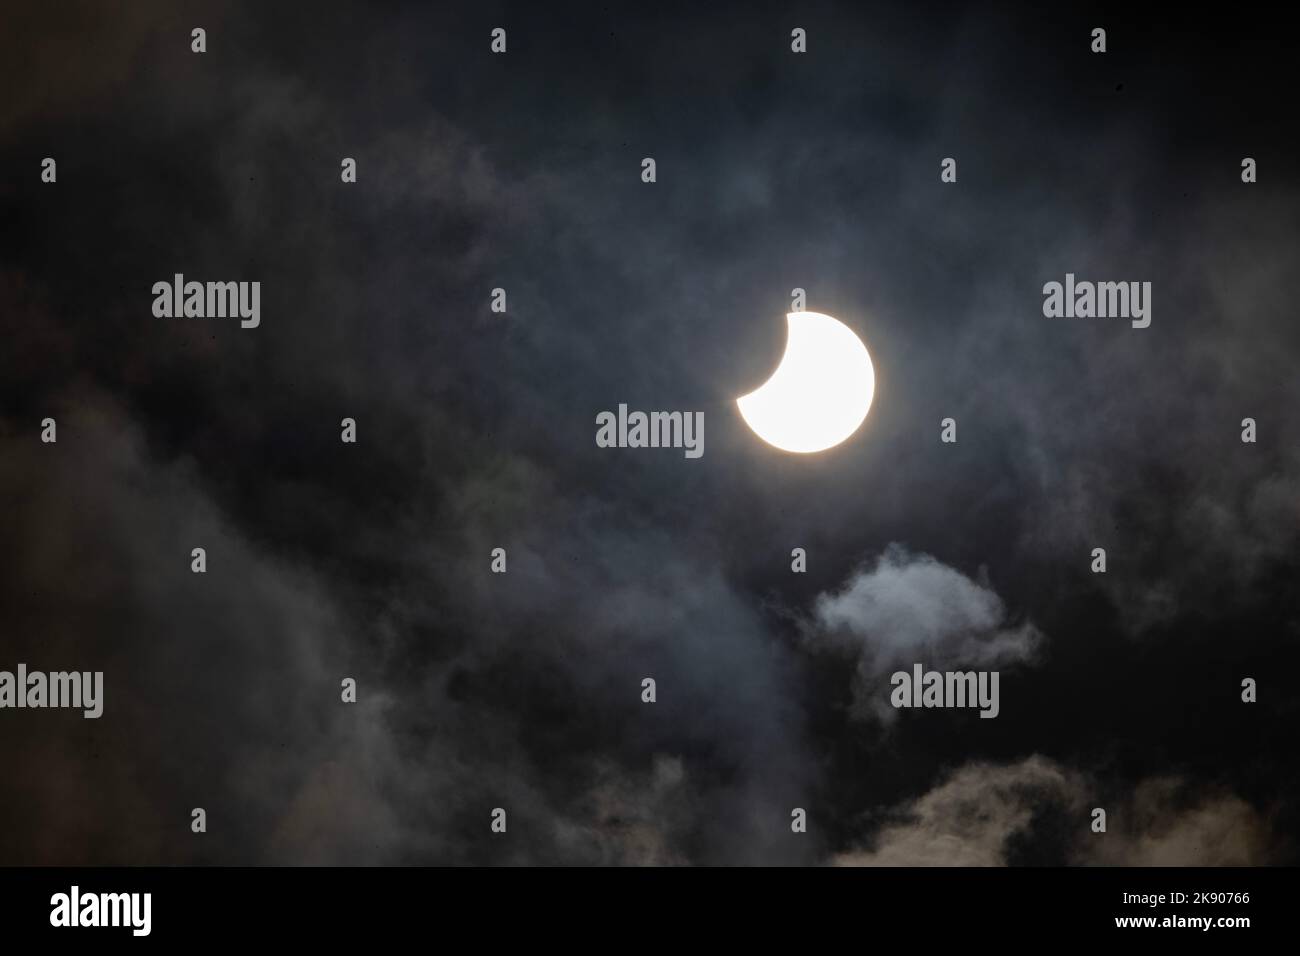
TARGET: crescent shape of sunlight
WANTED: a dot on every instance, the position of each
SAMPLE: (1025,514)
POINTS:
(821,391)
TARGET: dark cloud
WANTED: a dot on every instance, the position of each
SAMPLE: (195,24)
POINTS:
(476,431)
(220,689)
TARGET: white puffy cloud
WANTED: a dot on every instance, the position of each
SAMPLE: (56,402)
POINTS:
(908,609)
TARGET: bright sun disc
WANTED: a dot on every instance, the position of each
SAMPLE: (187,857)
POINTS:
(821,391)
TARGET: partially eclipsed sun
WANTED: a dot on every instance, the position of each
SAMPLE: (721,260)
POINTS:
(821,391)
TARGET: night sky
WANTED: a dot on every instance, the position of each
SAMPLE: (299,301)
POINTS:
(475,430)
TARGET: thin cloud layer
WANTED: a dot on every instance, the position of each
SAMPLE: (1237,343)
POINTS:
(475,431)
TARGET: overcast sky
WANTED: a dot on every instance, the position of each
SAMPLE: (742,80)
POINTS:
(476,430)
